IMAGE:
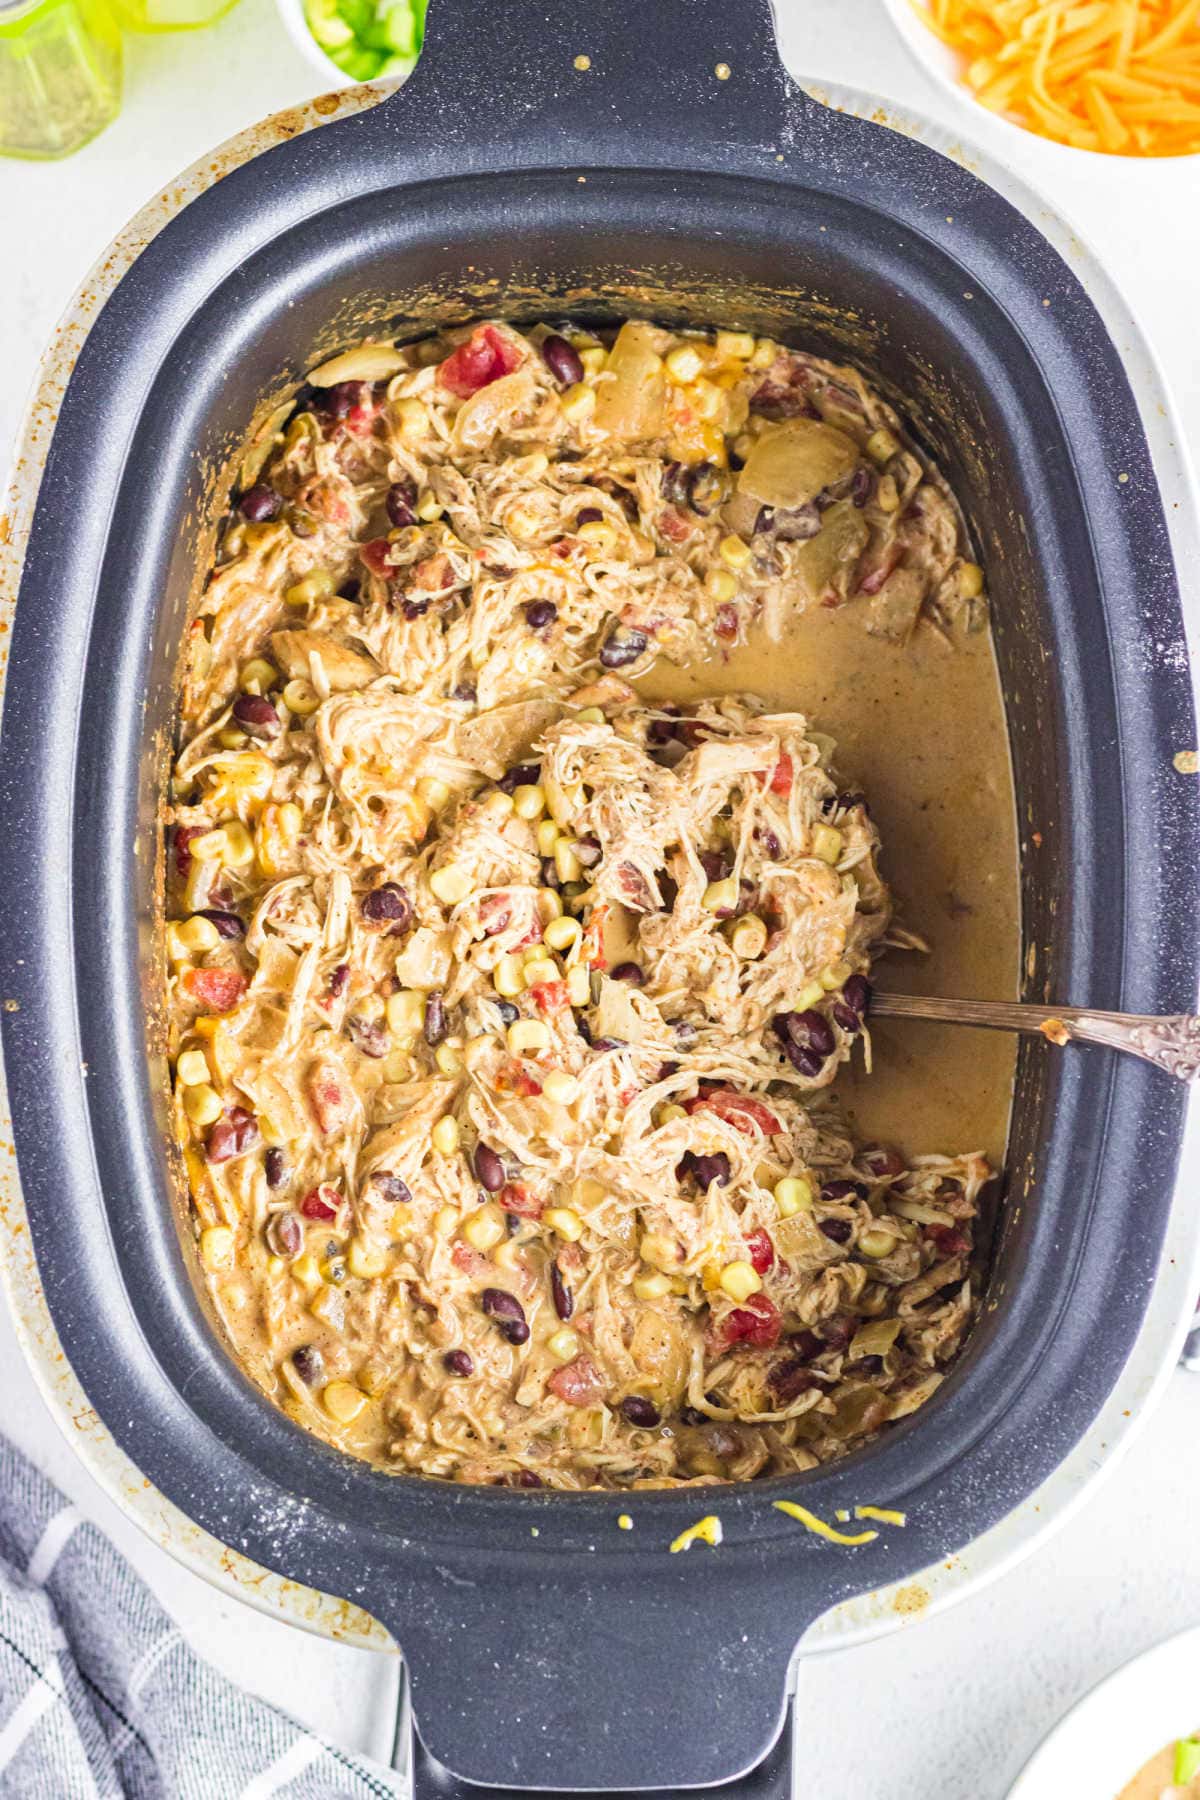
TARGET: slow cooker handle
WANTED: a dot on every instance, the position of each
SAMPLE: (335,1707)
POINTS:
(683,75)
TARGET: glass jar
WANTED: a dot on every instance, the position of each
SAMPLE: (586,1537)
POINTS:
(170,15)
(60,75)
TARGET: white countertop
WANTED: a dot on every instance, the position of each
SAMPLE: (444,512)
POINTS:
(947,1708)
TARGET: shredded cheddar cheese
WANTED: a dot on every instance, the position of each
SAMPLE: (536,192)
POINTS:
(1119,76)
(705,1531)
(811,1522)
(886,1515)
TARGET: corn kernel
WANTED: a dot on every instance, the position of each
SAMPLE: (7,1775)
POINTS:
(547,837)
(577,402)
(579,987)
(199,934)
(433,792)
(343,1401)
(659,1251)
(710,1277)
(230,738)
(301,697)
(739,1280)
(882,445)
(177,950)
(448,1059)
(310,588)
(739,344)
(593,357)
(887,494)
(498,806)
(970,580)
(540,969)
(192,1068)
(566,863)
(720,585)
(405,1012)
(835,976)
(450,884)
(591,715)
(561,802)
(307,1272)
(549,905)
(720,896)
(562,934)
(682,364)
(765,352)
(258,676)
(365,1262)
(508,1256)
(445,1221)
(484,1228)
(877,1242)
(527,1037)
(397,1066)
(508,977)
(735,551)
(565,1222)
(275,836)
(216,1247)
(444,1136)
(563,1344)
(651,1287)
(202,1104)
(599,534)
(827,843)
(793,1194)
(429,508)
(561,1088)
(706,399)
(412,419)
(529,802)
(671,1111)
(748,938)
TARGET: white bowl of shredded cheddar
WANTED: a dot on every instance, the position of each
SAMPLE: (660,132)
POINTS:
(1104,77)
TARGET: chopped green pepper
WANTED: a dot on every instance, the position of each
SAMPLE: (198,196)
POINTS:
(367,39)
(1187,1761)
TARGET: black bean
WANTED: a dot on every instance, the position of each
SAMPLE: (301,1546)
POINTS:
(436,1025)
(869,1365)
(548,872)
(583,1028)
(466,691)
(714,865)
(857,994)
(257,716)
(516,1331)
(540,613)
(564,1299)
(391,1187)
(588,515)
(844,1190)
(674,484)
(228,924)
(524,775)
(805,1062)
(309,1364)
(795,524)
(630,972)
(414,609)
(498,1303)
(351,589)
(367,1036)
(623,645)
(388,905)
(685,1031)
(691,1415)
(401,502)
(458,1362)
(640,1411)
(845,1017)
(704,1170)
(275,1167)
(771,843)
(489,1168)
(840,1230)
(260,502)
(509,1014)
(562,359)
(285,1234)
(525,1478)
(862,486)
(707,487)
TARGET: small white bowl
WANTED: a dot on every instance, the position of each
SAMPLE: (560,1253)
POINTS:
(1113,1732)
(943,66)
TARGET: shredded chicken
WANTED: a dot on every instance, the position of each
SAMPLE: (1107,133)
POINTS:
(506,1005)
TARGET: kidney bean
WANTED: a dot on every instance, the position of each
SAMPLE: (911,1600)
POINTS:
(714,865)
(391,1187)
(562,359)
(459,1362)
(809,1031)
(588,515)
(401,502)
(640,1411)
(228,924)
(387,905)
(367,1036)
(845,1017)
(339,980)
(524,775)
(844,1190)
(342,398)
(564,1299)
(525,1478)
(630,972)
(540,613)
(257,716)
(882,1160)
(285,1234)
(233,1135)
(508,1313)
(856,994)
(275,1167)
(704,1170)
(436,1025)
(623,645)
(260,502)
(840,1230)
(489,1169)
(862,485)
(309,1364)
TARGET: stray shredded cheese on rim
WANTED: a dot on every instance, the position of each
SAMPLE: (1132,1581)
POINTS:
(624,1522)
(1107,75)
(1055,1030)
(811,1523)
(705,1531)
(886,1515)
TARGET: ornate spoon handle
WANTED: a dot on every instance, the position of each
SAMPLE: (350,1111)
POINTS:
(1171,1043)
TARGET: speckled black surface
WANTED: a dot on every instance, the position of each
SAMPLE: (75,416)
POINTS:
(583,1656)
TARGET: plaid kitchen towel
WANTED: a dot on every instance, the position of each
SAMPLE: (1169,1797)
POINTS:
(100,1695)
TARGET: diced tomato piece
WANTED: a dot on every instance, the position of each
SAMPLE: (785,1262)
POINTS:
(516,1198)
(745,1114)
(673,526)
(330,1102)
(181,838)
(593,937)
(217,989)
(532,936)
(321,1202)
(949,1241)
(579,1383)
(780,779)
(627,1096)
(485,357)
(757,1324)
(471,1262)
(375,555)
(549,996)
(433,574)
(762,1250)
(513,1080)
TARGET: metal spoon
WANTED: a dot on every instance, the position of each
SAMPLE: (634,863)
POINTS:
(1171,1043)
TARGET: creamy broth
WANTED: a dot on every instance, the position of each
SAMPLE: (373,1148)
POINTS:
(921,729)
